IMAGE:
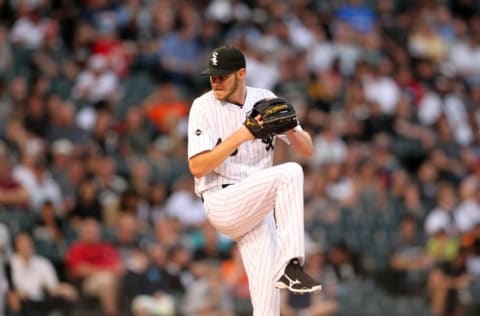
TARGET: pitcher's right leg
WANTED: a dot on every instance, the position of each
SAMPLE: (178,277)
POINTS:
(257,249)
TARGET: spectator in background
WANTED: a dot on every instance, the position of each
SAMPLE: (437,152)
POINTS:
(107,44)
(425,42)
(208,244)
(130,202)
(48,231)
(385,160)
(321,56)
(33,174)
(342,264)
(411,203)
(448,286)
(292,84)
(96,266)
(36,119)
(442,215)
(185,205)
(264,72)
(62,125)
(109,183)
(62,161)
(141,176)
(427,179)
(166,157)
(328,146)
(5,106)
(153,210)
(469,238)
(446,155)
(409,260)
(346,48)
(29,30)
(444,24)
(207,295)
(87,204)
(6,56)
(440,100)
(46,58)
(473,264)
(127,236)
(168,231)
(354,112)
(5,254)
(320,208)
(357,15)
(368,191)
(339,185)
(12,193)
(326,87)
(135,133)
(467,213)
(165,107)
(441,246)
(179,268)
(409,85)
(398,184)
(35,289)
(102,128)
(471,241)
(97,82)
(411,141)
(146,285)
(379,87)
(17,93)
(464,55)
(180,51)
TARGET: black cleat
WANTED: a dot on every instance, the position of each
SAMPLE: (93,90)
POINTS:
(296,280)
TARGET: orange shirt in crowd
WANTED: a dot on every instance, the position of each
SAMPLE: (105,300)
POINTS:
(161,114)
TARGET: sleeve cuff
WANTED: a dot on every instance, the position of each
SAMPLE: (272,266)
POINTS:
(298,128)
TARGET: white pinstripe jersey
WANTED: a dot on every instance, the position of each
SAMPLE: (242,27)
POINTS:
(210,122)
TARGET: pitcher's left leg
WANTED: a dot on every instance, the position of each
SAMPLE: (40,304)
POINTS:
(289,217)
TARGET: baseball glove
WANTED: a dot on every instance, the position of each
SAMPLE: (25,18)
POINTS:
(276,114)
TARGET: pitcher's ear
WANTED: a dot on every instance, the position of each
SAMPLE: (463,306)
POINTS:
(242,73)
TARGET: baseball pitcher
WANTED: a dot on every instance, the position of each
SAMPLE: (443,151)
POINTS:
(232,131)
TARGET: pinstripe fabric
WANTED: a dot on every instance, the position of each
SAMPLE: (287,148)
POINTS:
(211,120)
(238,208)
(245,211)
(260,244)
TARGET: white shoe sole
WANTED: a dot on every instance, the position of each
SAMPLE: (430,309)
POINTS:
(283,286)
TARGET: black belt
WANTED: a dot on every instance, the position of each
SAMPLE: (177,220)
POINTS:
(223,187)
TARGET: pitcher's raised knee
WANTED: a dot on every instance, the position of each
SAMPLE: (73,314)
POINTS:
(293,170)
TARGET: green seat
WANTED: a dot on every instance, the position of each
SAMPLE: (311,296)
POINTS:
(22,58)
(17,220)
(136,88)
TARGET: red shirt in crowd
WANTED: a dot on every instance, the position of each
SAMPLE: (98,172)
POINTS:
(100,255)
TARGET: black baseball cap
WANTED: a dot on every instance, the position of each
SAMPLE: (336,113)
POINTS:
(224,60)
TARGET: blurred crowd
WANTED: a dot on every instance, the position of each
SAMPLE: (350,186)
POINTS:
(97,210)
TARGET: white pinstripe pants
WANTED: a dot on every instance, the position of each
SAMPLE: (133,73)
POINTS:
(244,212)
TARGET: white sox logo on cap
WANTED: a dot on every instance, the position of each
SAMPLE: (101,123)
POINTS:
(214,59)
(224,60)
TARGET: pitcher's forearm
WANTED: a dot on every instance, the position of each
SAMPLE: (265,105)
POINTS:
(205,162)
(301,142)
